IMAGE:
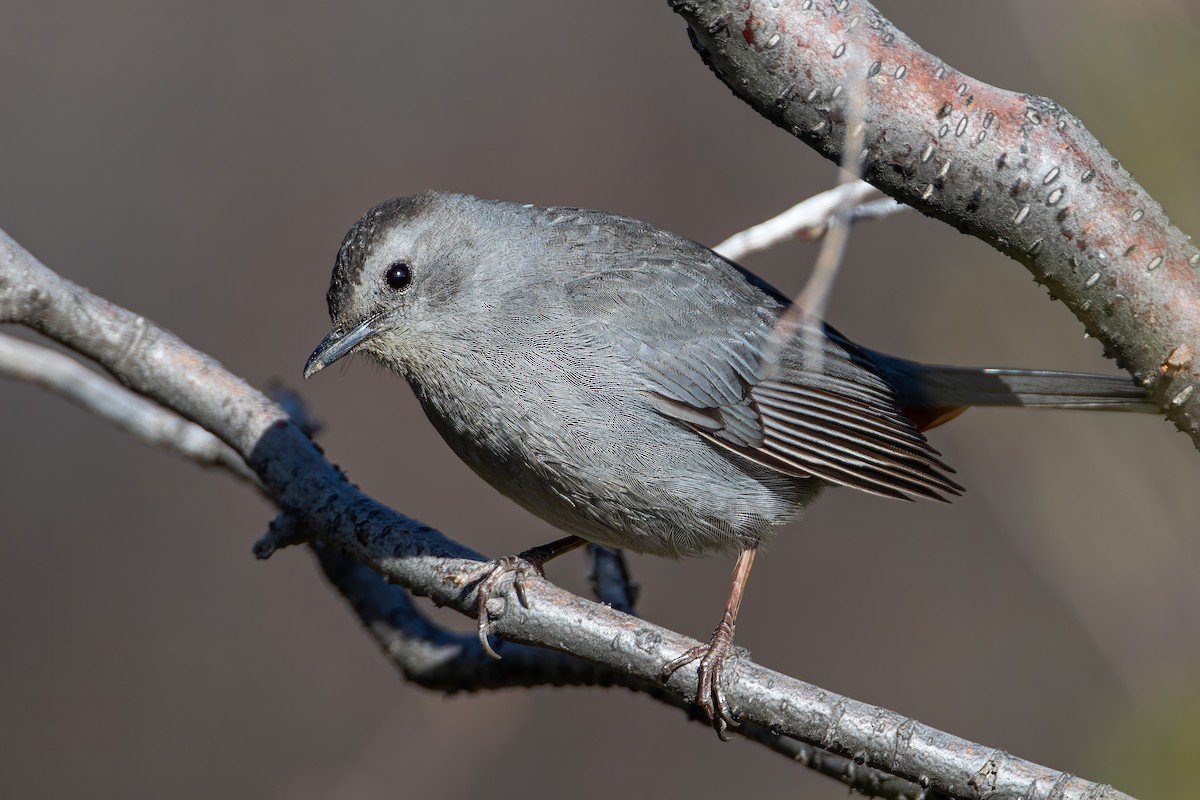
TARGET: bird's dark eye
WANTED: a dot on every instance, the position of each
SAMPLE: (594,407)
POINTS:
(398,275)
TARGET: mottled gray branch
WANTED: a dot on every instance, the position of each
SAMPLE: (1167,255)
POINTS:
(132,413)
(435,658)
(1016,170)
(323,506)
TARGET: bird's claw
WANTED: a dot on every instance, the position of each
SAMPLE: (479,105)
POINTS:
(710,695)
(490,579)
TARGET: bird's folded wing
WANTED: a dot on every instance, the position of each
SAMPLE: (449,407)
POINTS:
(699,355)
(840,425)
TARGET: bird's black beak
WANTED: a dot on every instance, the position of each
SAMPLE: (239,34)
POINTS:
(338,344)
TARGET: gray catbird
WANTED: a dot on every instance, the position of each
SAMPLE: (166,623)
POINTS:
(610,377)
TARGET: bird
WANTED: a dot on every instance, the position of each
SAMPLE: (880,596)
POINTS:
(638,390)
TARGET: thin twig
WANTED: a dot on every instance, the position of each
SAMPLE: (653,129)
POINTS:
(807,219)
(807,312)
(151,423)
(875,209)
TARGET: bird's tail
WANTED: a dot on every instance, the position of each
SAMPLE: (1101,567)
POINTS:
(931,394)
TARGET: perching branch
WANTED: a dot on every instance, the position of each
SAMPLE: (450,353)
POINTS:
(1015,170)
(435,658)
(319,504)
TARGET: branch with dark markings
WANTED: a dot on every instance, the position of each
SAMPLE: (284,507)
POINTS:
(1016,170)
(319,504)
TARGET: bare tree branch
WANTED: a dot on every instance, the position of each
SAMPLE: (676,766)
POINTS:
(318,503)
(809,218)
(1015,170)
(435,658)
(132,413)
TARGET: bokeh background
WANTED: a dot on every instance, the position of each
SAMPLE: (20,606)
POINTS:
(199,163)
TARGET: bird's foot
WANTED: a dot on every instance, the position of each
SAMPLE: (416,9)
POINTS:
(518,568)
(710,696)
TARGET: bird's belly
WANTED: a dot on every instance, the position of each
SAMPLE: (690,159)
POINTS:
(645,483)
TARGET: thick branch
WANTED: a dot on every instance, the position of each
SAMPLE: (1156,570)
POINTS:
(321,503)
(1013,169)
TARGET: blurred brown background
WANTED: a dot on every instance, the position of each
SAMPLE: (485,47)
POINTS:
(199,163)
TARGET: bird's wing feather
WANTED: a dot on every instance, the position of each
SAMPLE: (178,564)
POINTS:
(840,424)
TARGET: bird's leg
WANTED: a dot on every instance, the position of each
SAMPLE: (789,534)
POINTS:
(519,566)
(712,656)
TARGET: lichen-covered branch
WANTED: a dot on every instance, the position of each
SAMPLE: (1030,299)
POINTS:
(1013,169)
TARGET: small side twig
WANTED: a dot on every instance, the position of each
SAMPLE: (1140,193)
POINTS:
(875,209)
(808,310)
(808,219)
(151,423)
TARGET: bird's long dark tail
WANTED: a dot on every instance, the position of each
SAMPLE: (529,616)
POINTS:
(931,394)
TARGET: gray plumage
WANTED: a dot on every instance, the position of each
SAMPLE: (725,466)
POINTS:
(608,376)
